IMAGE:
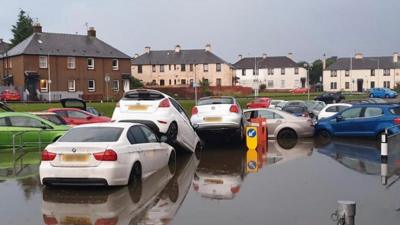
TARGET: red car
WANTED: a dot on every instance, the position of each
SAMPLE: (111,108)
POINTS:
(10,95)
(75,116)
(299,91)
(259,103)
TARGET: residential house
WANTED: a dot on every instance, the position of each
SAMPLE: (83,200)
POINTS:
(180,67)
(278,73)
(55,65)
(361,73)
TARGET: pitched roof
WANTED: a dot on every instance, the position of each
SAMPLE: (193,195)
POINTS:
(192,56)
(384,62)
(267,62)
(65,45)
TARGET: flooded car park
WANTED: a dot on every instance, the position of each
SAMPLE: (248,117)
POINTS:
(298,181)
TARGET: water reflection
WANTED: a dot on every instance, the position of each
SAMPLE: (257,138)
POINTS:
(283,150)
(153,201)
(20,165)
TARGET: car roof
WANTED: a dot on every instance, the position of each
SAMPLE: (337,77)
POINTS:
(209,97)
(377,104)
(43,113)
(110,124)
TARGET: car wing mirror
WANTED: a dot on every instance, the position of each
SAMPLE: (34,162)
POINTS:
(339,118)
(163,138)
(89,117)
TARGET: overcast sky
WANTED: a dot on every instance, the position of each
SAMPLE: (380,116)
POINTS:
(308,28)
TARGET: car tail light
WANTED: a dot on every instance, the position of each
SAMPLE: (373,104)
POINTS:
(164,103)
(397,120)
(49,220)
(235,190)
(48,156)
(107,155)
(117,105)
(234,109)
(194,110)
(109,221)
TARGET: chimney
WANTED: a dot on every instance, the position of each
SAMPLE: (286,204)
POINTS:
(208,47)
(264,55)
(147,49)
(395,57)
(290,55)
(36,27)
(324,62)
(135,56)
(359,56)
(177,48)
(91,32)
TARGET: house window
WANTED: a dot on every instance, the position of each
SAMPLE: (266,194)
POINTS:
(282,83)
(10,63)
(255,72)
(161,68)
(218,82)
(347,73)
(333,73)
(347,85)
(372,84)
(296,70)
(44,85)
(386,72)
(243,72)
(115,85)
(162,82)
(90,63)
(169,67)
(205,67)
(174,81)
(71,85)
(43,62)
(140,69)
(115,64)
(372,73)
(170,82)
(174,67)
(71,63)
(91,85)
(333,85)
(183,67)
(270,84)
(283,71)
(191,82)
(153,68)
(270,71)
(218,68)
(386,84)
(183,81)
(191,67)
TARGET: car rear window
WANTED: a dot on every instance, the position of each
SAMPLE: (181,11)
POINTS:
(294,109)
(92,134)
(213,101)
(143,95)
(395,111)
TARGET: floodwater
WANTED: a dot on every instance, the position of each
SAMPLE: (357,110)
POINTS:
(292,182)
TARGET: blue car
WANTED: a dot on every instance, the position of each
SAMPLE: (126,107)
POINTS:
(382,93)
(363,120)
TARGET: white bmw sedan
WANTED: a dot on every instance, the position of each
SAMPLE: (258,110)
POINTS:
(160,112)
(104,154)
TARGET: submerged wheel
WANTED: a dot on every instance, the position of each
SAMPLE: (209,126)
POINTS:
(172,133)
(371,95)
(386,96)
(287,133)
(136,173)
(324,137)
(172,162)
(198,150)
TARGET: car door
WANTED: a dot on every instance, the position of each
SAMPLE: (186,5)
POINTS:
(185,129)
(30,127)
(136,137)
(5,132)
(348,122)
(372,117)
(158,153)
(273,120)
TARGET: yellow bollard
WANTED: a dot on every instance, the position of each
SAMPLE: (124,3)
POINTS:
(252,154)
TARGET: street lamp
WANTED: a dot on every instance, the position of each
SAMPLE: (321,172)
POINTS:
(308,68)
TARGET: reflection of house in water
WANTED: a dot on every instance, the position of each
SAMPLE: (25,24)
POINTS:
(281,151)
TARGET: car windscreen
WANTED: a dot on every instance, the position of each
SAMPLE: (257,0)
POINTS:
(92,134)
(57,120)
(395,111)
(213,101)
(143,95)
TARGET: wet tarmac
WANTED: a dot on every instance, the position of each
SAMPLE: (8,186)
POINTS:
(292,182)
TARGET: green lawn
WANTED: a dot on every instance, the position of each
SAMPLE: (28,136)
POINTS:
(108,107)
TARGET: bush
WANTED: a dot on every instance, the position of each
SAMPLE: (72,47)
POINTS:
(262,87)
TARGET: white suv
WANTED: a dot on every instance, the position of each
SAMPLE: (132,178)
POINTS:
(160,112)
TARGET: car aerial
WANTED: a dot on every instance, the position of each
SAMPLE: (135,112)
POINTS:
(331,109)
(275,102)
(79,104)
(282,124)
(104,154)
(362,120)
(74,116)
(299,91)
(296,110)
(163,114)
(330,97)
(32,129)
(218,113)
(314,107)
(382,93)
(10,95)
(259,103)
(50,116)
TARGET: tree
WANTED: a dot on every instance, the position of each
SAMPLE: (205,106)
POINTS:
(22,29)
(136,83)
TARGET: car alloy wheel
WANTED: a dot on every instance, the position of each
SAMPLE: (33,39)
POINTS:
(286,134)
(172,133)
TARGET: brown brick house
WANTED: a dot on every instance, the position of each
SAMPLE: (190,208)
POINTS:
(66,65)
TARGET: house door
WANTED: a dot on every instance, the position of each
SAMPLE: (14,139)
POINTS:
(32,84)
(360,83)
(303,82)
(126,85)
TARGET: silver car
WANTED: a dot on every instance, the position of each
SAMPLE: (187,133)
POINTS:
(281,124)
(218,113)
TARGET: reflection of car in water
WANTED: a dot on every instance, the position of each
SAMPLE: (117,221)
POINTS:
(125,205)
(219,176)
(171,198)
(282,150)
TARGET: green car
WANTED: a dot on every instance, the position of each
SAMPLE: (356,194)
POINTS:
(28,130)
